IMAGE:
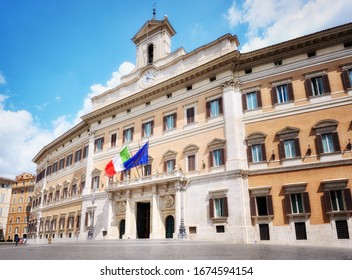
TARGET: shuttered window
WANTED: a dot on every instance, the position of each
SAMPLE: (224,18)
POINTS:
(217,157)
(251,100)
(214,108)
(282,94)
(218,207)
(317,86)
(346,76)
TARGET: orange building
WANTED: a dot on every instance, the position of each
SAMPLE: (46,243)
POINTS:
(297,102)
(20,206)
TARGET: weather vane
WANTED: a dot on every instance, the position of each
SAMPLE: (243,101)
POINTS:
(154,10)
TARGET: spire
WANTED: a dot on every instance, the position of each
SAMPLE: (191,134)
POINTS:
(154,10)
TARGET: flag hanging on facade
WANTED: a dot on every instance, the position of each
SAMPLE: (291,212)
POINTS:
(117,163)
(141,157)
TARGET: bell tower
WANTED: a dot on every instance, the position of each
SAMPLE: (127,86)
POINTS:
(153,41)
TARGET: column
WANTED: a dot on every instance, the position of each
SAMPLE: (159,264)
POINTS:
(130,225)
(234,128)
(157,223)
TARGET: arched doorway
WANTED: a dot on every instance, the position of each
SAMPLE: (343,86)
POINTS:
(169,226)
(122,228)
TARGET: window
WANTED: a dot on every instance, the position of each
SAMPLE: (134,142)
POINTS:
(214,108)
(296,203)
(48,170)
(19,209)
(337,197)
(289,146)
(170,122)
(264,232)
(64,193)
(150,53)
(98,144)
(301,233)
(347,78)
(85,151)
(190,112)
(61,163)
(261,206)
(327,139)
(342,229)
(257,153)
(191,163)
(169,165)
(113,138)
(218,206)
(95,183)
(147,129)
(282,93)
(78,155)
(57,195)
(147,170)
(74,190)
(69,160)
(317,86)
(128,135)
(55,167)
(251,100)
(2,197)
(217,157)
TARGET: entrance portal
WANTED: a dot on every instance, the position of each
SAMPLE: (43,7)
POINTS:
(170,226)
(143,219)
(122,228)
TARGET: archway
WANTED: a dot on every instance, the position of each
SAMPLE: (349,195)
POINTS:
(169,226)
(122,228)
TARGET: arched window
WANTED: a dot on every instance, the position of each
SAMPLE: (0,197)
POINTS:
(150,53)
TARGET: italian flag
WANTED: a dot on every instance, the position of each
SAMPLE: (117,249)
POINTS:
(116,164)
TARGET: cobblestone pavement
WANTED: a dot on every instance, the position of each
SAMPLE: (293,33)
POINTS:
(169,250)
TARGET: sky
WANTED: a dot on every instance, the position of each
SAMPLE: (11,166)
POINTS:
(57,54)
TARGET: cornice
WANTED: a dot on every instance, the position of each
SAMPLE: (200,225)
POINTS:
(219,64)
(304,44)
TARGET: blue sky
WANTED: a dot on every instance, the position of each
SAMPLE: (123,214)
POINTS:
(56,54)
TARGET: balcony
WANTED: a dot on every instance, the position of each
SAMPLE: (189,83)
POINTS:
(156,178)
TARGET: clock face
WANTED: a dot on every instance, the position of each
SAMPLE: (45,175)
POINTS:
(148,78)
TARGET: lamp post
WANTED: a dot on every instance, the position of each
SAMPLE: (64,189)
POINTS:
(91,229)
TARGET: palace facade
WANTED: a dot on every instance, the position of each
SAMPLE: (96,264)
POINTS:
(245,148)
(5,200)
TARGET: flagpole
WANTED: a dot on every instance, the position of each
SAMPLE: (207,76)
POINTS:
(134,161)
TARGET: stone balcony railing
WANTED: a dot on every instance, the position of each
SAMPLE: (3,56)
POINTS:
(156,178)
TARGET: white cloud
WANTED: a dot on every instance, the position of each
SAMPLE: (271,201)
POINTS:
(2,79)
(273,21)
(21,139)
(96,89)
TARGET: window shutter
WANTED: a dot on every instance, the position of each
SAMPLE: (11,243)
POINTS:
(226,208)
(319,144)
(290,92)
(208,109)
(223,160)
(132,131)
(326,84)
(124,136)
(143,125)
(211,208)
(152,127)
(345,79)
(211,159)
(308,87)
(259,99)
(253,206)
(327,201)
(165,166)
(249,154)
(273,95)
(175,120)
(288,209)
(244,102)
(263,151)
(348,200)
(306,203)
(220,106)
(281,150)
(335,137)
(297,147)
(164,123)
(174,163)
(269,201)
